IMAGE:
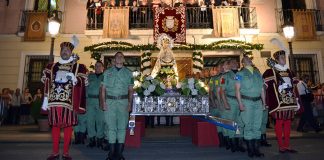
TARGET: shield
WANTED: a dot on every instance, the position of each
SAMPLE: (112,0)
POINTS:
(170,22)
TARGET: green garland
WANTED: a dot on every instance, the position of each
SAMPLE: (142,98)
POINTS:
(97,49)
(146,57)
(197,56)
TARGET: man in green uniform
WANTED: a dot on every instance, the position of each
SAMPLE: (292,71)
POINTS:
(232,111)
(251,98)
(116,95)
(218,101)
(95,116)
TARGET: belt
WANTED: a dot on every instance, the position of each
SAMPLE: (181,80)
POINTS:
(229,96)
(251,98)
(93,96)
(117,97)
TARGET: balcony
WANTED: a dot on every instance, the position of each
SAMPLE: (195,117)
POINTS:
(142,18)
(286,16)
(196,18)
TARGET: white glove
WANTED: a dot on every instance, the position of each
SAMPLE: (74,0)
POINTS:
(45,104)
(283,86)
(298,105)
(71,76)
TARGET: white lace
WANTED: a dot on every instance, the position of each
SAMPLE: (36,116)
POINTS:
(280,67)
(62,61)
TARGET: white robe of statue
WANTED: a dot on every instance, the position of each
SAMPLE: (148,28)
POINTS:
(165,57)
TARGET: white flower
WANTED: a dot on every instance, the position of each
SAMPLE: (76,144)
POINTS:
(194,92)
(151,88)
(149,78)
(202,84)
(162,85)
(191,86)
(179,85)
(147,92)
(136,73)
(191,81)
(137,84)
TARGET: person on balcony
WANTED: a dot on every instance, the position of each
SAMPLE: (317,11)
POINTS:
(121,3)
(112,3)
(127,3)
(90,13)
(99,14)
(245,13)
(225,3)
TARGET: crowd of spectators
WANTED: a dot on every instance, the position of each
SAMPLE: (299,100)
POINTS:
(20,108)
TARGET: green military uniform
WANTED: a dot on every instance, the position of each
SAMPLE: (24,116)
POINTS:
(116,81)
(82,123)
(80,129)
(234,112)
(219,110)
(251,88)
(264,121)
(95,115)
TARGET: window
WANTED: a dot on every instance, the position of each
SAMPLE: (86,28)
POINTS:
(307,64)
(33,72)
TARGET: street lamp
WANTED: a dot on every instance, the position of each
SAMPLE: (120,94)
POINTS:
(54,24)
(289,33)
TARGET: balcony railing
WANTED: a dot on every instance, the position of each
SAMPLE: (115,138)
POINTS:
(23,19)
(196,17)
(142,18)
(286,16)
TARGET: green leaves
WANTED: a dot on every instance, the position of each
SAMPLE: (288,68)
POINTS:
(97,49)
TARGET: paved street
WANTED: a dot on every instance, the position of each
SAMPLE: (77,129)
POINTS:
(26,143)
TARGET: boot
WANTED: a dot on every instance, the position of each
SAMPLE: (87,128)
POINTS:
(227,142)
(264,141)
(66,157)
(249,148)
(100,143)
(77,138)
(233,144)
(239,142)
(256,146)
(111,154)
(53,157)
(221,139)
(105,145)
(119,151)
(92,142)
(82,137)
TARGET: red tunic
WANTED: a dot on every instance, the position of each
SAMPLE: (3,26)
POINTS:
(65,99)
(281,105)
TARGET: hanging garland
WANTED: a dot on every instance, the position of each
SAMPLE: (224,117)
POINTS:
(198,63)
(146,62)
(97,49)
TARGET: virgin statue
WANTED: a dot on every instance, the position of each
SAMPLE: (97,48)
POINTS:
(165,59)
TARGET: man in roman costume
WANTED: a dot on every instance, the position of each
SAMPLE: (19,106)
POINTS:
(64,97)
(280,98)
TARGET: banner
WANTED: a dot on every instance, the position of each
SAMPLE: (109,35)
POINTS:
(171,21)
(304,25)
(226,22)
(116,23)
(36,26)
